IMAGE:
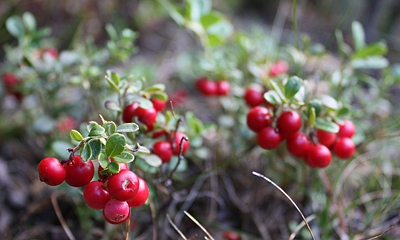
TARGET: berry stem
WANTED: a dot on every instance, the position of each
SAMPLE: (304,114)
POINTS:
(180,156)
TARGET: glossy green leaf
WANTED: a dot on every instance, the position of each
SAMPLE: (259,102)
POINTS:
(143,102)
(162,96)
(29,21)
(96,146)
(183,165)
(358,35)
(152,159)
(317,105)
(155,88)
(96,130)
(329,102)
(14,26)
(210,19)
(111,32)
(326,126)
(60,148)
(124,157)
(273,98)
(103,160)
(127,127)
(214,40)
(141,164)
(113,167)
(111,82)
(173,11)
(222,29)
(278,90)
(115,78)
(371,62)
(343,111)
(115,145)
(110,105)
(86,152)
(75,135)
(292,86)
(377,49)
(110,127)
(343,47)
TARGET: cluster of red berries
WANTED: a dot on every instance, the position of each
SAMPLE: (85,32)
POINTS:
(165,149)
(212,88)
(114,193)
(316,154)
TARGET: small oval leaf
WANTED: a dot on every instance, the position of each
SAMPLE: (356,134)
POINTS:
(124,157)
(155,88)
(162,96)
(329,102)
(152,159)
(113,167)
(75,135)
(273,98)
(127,127)
(110,105)
(96,146)
(96,130)
(115,145)
(103,160)
(86,152)
(326,126)
(292,86)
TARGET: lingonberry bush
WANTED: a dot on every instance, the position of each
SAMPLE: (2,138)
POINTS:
(239,101)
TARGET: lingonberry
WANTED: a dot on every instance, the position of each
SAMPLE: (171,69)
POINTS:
(206,86)
(141,196)
(347,129)
(116,212)
(228,235)
(163,149)
(223,87)
(278,68)
(129,112)
(146,116)
(96,195)
(122,166)
(298,144)
(258,118)
(268,138)
(177,140)
(52,52)
(79,173)
(326,138)
(289,122)
(123,185)
(51,171)
(318,156)
(158,104)
(10,79)
(344,148)
(253,97)
(158,134)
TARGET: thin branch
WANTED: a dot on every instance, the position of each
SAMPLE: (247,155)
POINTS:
(180,156)
(286,195)
(176,228)
(376,237)
(198,224)
(128,224)
(300,226)
(153,217)
(60,217)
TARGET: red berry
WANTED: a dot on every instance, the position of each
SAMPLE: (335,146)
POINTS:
(122,166)
(258,118)
(163,149)
(206,86)
(51,171)
(52,52)
(177,142)
(347,129)
(223,87)
(268,138)
(278,68)
(318,156)
(344,148)
(129,112)
(10,79)
(79,173)
(298,144)
(123,185)
(96,195)
(158,134)
(253,97)
(141,196)
(228,235)
(65,124)
(146,116)
(158,104)
(289,123)
(326,138)
(116,212)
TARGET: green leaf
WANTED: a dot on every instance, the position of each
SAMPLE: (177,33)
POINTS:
(155,88)
(173,12)
(115,145)
(110,105)
(311,116)
(115,78)
(110,127)
(272,97)
(29,21)
(316,104)
(14,26)
(358,35)
(210,19)
(111,82)
(141,164)
(124,157)
(292,86)
(326,126)
(111,32)
(343,47)
(143,102)
(377,49)
(86,152)
(75,135)
(60,148)
(371,62)
(194,123)
(127,127)
(343,111)
(329,102)
(96,130)
(278,90)
(162,96)
(96,146)
(222,29)
(103,160)
(194,9)
(183,165)
(214,40)
(113,167)
(152,159)
(44,124)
